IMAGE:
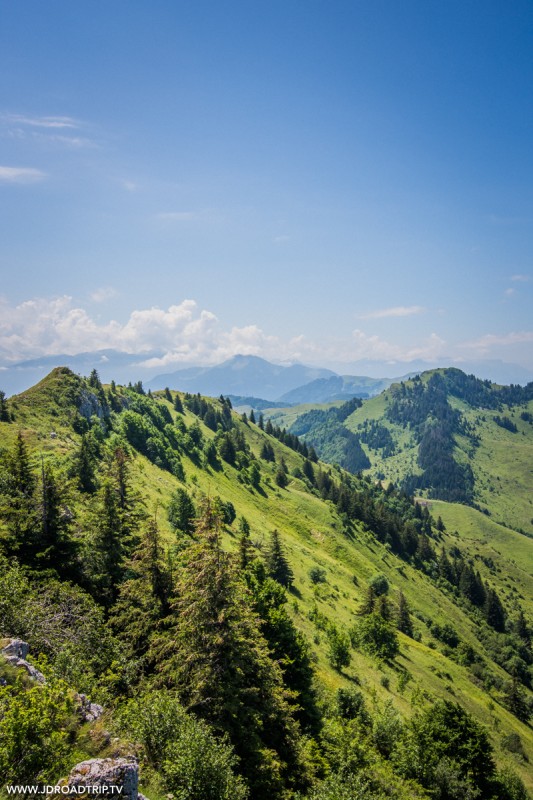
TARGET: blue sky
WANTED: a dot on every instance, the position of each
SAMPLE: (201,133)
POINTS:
(315,181)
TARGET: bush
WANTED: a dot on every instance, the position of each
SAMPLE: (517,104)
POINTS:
(35,728)
(376,636)
(317,575)
(338,649)
(195,765)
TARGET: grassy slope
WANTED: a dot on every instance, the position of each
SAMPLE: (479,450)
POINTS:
(312,535)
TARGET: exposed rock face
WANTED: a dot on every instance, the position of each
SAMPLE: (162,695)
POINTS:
(88,711)
(15,653)
(122,773)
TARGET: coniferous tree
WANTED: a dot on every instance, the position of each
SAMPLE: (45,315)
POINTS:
(18,507)
(281,478)
(403,618)
(493,610)
(167,394)
(84,466)
(143,599)
(213,653)
(181,511)
(4,409)
(277,564)
(56,549)
(178,405)
(252,416)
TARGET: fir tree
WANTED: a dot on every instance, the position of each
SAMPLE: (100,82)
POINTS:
(18,504)
(167,394)
(277,565)
(181,512)
(4,410)
(143,599)
(215,656)
(403,617)
(178,405)
(84,467)
(55,547)
(252,416)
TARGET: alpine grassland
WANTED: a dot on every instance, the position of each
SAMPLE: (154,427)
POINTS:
(268,624)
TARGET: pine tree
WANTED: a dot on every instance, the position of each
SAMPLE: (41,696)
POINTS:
(252,416)
(143,599)
(178,405)
(493,610)
(403,617)
(56,549)
(277,565)
(281,478)
(181,512)
(213,653)
(4,409)
(167,394)
(84,466)
(18,504)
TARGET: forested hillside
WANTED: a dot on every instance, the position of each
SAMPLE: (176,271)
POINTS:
(443,435)
(255,623)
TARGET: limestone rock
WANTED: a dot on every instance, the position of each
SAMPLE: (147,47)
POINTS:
(88,711)
(122,773)
(15,653)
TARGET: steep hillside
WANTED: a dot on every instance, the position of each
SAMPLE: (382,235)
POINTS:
(444,435)
(398,608)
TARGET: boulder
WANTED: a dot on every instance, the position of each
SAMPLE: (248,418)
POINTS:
(122,773)
(15,652)
(88,711)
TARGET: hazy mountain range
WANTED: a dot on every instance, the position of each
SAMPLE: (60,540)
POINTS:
(247,375)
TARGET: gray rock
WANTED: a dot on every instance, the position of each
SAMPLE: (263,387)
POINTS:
(15,653)
(16,647)
(88,711)
(122,773)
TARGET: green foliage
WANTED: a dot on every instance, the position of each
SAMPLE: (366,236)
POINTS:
(181,512)
(317,575)
(446,750)
(213,631)
(375,636)
(194,764)
(277,564)
(338,648)
(36,731)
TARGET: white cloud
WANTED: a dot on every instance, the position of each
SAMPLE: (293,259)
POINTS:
(183,333)
(42,122)
(396,311)
(510,292)
(485,344)
(102,294)
(21,175)
(521,278)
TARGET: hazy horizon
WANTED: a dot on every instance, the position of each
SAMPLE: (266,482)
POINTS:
(328,183)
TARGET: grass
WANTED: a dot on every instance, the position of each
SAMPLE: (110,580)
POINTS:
(313,535)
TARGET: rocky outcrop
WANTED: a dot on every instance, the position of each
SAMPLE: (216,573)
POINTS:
(15,653)
(88,711)
(122,773)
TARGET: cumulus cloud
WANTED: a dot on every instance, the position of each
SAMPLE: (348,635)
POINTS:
(21,175)
(396,311)
(183,333)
